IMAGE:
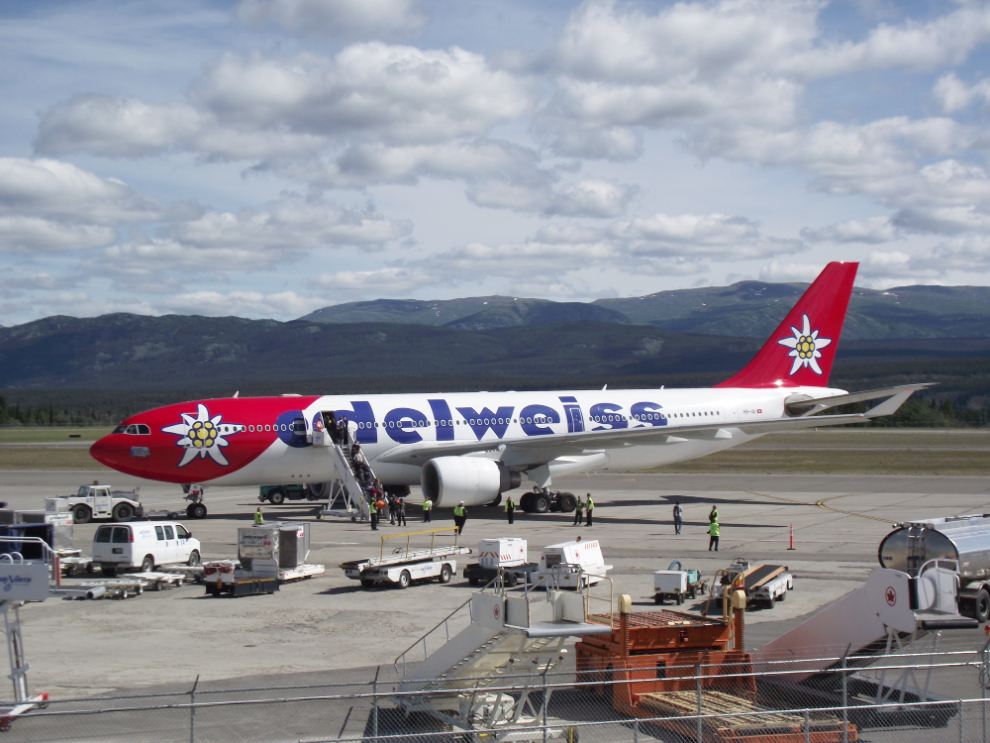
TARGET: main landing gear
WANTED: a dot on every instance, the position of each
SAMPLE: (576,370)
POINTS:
(542,500)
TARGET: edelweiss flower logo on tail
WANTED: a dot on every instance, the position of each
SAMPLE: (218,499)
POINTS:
(203,436)
(805,347)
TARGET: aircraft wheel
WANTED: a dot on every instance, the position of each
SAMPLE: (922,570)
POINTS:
(567,502)
(541,503)
(196,511)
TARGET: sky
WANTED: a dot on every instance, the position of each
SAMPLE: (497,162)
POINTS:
(265,158)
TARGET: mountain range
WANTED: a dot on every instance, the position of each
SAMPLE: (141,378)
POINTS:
(748,309)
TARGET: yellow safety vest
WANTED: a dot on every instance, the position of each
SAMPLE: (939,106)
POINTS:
(713,528)
(590,505)
(258,519)
(458,510)
(427,504)
(509,505)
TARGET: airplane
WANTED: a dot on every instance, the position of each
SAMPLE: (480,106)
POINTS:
(472,447)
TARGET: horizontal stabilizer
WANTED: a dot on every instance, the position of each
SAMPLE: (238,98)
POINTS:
(805,405)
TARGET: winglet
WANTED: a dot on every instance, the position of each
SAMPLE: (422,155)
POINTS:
(890,405)
(800,352)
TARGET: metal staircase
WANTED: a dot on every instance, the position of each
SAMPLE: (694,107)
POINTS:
(498,633)
(347,497)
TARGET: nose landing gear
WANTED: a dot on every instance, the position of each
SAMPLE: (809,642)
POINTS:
(196,508)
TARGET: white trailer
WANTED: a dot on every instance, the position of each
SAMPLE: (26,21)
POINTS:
(573,564)
(404,565)
(98,502)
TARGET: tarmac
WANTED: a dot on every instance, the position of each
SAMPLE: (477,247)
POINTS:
(330,628)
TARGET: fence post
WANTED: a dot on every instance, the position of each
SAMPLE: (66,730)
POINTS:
(192,711)
(807,727)
(635,730)
(545,705)
(960,721)
(697,683)
(374,704)
(845,699)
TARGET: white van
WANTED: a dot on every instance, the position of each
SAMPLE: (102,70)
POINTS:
(143,545)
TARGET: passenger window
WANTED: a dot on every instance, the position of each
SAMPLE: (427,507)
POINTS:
(168,533)
(121,534)
(160,533)
(180,532)
(103,534)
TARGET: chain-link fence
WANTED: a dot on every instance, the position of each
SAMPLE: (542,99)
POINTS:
(902,697)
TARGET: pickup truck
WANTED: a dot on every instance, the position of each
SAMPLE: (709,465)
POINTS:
(98,502)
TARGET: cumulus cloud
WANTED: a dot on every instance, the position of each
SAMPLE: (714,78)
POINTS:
(290,226)
(48,206)
(954,95)
(33,235)
(699,236)
(871,231)
(517,260)
(365,164)
(257,106)
(338,19)
(586,198)
(389,281)
(58,190)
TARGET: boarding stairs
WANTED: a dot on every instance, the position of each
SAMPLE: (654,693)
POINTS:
(893,612)
(347,497)
(501,637)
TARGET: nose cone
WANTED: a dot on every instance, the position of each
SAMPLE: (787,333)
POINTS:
(110,451)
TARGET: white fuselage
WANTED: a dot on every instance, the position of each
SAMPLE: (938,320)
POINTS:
(381,423)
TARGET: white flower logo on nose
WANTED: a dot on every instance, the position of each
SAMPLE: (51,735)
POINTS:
(203,436)
(805,347)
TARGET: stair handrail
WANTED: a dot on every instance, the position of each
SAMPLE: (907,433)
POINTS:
(592,618)
(442,623)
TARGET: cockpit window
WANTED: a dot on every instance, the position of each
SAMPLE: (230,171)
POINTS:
(134,429)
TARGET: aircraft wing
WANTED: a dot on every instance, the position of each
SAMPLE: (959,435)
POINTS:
(548,449)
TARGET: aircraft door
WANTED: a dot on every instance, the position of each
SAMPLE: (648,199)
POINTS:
(573,415)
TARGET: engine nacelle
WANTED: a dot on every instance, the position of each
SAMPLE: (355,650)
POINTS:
(447,480)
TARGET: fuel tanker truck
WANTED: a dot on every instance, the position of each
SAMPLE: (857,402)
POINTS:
(965,539)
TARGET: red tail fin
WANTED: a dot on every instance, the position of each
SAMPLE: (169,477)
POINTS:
(801,350)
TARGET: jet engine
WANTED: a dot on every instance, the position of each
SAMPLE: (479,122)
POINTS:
(447,480)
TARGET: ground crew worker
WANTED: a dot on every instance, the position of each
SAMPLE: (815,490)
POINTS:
(259,520)
(460,516)
(713,531)
(678,521)
(713,515)
(589,506)
(400,513)
(427,507)
(578,512)
(510,508)
(374,514)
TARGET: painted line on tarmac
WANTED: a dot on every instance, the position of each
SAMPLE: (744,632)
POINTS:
(819,504)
